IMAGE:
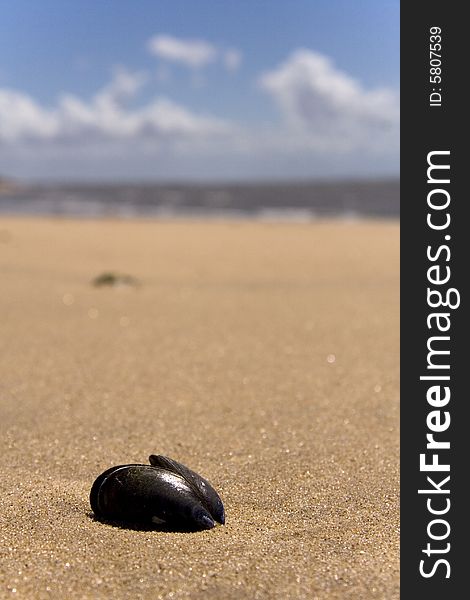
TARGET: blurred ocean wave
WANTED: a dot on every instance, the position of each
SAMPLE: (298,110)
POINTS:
(295,201)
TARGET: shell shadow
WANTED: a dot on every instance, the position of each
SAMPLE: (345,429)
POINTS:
(130,526)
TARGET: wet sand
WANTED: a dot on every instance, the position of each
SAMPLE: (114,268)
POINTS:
(262,355)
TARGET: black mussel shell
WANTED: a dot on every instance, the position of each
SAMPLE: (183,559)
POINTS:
(164,492)
(201,486)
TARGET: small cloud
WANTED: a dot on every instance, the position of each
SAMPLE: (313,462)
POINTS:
(22,118)
(192,53)
(124,85)
(313,93)
(232,59)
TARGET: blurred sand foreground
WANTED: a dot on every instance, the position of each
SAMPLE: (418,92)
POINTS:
(263,355)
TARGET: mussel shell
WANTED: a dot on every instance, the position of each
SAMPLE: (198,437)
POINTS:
(201,486)
(170,494)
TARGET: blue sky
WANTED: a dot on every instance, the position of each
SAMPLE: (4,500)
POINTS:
(133,89)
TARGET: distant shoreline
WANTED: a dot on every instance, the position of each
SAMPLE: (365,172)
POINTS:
(294,201)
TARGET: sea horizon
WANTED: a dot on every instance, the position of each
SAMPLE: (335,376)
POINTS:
(297,200)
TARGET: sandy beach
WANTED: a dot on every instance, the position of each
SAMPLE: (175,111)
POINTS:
(265,356)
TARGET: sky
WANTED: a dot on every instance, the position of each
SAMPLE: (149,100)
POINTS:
(199,90)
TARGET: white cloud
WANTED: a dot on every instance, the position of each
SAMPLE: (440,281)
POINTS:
(192,53)
(22,118)
(313,94)
(104,117)
(124,84)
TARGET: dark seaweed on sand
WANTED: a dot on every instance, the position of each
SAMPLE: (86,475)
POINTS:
(111,279)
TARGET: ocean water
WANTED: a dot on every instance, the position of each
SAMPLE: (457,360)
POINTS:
(299,201)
